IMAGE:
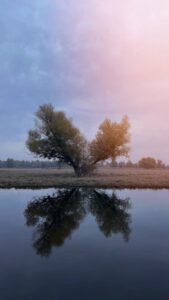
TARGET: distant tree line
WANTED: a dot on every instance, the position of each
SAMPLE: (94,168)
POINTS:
(145,163)
(21,164)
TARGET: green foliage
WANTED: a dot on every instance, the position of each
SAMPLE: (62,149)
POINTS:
(55,137)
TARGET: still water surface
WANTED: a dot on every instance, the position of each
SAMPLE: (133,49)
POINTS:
(84,244)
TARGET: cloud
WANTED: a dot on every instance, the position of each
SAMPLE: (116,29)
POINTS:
(91,58)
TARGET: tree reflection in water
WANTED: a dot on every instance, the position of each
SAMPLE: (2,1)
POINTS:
(111,213)
(56,217)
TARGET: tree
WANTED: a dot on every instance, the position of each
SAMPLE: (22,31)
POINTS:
(56,137)
(147,163)
(129,164)
(111,140)
(10,163)
(151,163)
(160,164)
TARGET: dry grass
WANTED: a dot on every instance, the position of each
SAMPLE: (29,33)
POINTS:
(109,178)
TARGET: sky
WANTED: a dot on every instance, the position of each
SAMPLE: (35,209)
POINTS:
(93,59)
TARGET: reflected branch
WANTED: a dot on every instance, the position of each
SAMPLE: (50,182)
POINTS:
(55,217)
(111,213)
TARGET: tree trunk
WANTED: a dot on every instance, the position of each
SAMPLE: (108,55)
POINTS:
(78,172)
(83,170)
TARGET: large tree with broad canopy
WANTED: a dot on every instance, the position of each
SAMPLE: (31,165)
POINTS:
(56,137)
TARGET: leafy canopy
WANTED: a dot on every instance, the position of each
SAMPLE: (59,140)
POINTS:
(111,140)
(150,163)
(56,137)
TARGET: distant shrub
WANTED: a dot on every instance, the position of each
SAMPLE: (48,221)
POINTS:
(150,163)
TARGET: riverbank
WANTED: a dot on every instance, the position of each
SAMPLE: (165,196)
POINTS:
(109,178)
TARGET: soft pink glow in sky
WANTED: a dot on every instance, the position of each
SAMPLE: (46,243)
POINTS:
(124,46)
(91,58)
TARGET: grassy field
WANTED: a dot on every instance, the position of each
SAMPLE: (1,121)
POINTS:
(109,178)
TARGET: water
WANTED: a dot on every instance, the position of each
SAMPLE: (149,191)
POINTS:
(84,244)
